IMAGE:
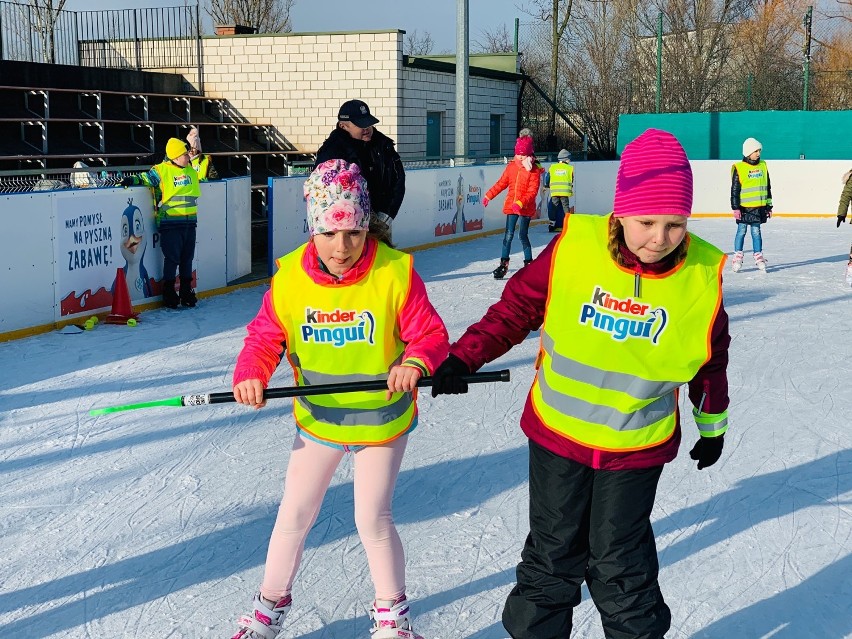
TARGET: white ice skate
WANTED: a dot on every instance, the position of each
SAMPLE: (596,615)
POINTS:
(737,262)
(760,261)
(849,274)
(263,622)
(391,620)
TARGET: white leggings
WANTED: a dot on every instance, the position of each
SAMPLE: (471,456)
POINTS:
(309,473)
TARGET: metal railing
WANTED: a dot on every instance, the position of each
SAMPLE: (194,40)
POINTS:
(145,38)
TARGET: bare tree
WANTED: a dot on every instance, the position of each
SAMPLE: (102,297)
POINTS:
(696,47)
(267,16)
(416,44)
(497,41)
(558,14)
(44,14)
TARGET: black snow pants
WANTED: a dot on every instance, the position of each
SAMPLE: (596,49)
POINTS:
(593,526)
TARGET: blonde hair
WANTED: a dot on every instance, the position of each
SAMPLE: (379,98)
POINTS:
(616,238)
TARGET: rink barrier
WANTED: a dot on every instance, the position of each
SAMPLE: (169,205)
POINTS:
(442,206)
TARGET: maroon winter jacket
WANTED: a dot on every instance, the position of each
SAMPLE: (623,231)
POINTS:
(521,310)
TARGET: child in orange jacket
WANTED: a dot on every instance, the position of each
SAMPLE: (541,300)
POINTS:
(522,177)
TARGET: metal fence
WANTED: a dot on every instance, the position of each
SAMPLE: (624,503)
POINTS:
(806,64)
(145,38)
(89,177)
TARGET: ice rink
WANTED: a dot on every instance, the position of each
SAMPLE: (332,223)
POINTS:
(154,523)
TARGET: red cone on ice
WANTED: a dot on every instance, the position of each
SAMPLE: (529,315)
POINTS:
(121,308)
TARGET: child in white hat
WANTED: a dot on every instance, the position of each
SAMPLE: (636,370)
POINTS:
(751,202)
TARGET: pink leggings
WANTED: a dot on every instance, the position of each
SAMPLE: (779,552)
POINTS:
(309,473)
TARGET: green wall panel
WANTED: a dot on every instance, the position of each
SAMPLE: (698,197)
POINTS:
(785,135)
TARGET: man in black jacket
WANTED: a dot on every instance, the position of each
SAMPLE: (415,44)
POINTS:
(355,139)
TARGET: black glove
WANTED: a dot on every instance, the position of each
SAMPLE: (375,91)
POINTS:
(840,220)
(447,378)
(707,450)
(127,181)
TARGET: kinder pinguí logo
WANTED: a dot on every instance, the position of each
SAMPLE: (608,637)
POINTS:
(337,327)
(182,180)
(623,318)
(754,174)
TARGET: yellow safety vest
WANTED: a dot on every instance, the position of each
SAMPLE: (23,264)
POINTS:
(346,333)
(201,164)
(180,192)
(754,183)
(561,180)
(610,364)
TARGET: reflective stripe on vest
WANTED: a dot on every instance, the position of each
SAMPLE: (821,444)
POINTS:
(346,333)
(610,365)
(180,190)
(561,179)
(754,183)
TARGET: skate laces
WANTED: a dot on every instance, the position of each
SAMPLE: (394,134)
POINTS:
(388,613)
(263,622)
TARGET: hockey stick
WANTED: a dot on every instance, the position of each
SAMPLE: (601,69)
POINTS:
(295,391)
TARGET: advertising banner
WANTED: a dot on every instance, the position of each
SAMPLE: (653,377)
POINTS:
(96,236)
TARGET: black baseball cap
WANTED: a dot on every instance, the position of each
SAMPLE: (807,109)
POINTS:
(356,112)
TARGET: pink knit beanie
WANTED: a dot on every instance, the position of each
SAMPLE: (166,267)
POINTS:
(524,146)
(654,177)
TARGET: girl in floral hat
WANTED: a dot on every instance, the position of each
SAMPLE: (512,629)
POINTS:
(522,177)
(344,307)
(630,309)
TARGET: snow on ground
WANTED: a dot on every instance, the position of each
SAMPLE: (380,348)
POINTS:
(154,523)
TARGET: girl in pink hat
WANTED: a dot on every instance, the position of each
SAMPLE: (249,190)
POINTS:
(630,309)
(522,177)
(343,307)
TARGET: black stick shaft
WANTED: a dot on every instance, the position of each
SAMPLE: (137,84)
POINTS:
(350,387)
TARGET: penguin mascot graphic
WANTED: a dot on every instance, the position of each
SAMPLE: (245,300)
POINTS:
(133,245)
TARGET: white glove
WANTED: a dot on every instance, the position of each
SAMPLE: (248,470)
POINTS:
(194,139)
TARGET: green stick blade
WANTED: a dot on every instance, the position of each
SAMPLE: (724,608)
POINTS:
(172,401)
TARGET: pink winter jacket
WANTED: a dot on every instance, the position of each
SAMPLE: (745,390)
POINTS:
(420,326)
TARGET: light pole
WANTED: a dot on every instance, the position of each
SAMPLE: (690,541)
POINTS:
(462,66)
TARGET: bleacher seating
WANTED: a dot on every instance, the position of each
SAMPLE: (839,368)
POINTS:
(53,128)
(61,115)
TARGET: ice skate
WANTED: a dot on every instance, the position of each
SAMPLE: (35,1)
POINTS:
(500,272)
(391,620)
(737,262)
(849,274)
(760,261)
(263,622)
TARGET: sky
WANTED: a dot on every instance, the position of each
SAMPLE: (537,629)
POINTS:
(153,524)
(438,17)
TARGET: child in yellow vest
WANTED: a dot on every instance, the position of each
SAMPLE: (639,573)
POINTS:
(344,307)
(630,308)
(751,202)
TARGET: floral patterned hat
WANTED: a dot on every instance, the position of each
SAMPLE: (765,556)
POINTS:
(337,198)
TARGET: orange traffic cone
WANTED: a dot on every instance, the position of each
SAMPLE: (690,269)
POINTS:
(121,308)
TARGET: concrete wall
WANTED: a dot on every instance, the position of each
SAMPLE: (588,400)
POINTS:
(425,90)
(297,81)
